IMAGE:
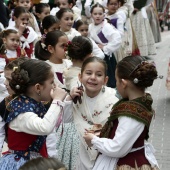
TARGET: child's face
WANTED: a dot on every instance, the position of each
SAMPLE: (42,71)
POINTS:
(7,74)
(93,78)
(112,6)
(64,4)
(83,30)
(66,21)
(46,88)
(44,13)
(23,18)
(59,50)
(12,41)
(98,15)
(25,3)
(52,28)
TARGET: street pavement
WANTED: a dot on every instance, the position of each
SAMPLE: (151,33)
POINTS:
(160,127)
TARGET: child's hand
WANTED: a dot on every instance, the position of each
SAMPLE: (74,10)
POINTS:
(100,46)
(76,92)
(22,28)
(88,137)
(58,93)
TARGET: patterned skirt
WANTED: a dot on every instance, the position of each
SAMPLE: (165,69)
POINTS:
(68,145)
(8,162)
(143,34)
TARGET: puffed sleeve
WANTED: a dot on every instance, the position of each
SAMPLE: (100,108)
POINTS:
(97,51)
(30,123)
(114,39)
(127,133)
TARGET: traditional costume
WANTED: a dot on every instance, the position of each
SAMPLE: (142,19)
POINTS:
(107,35)
(58,71)
(28,125)
(154,22)
(72,33)
(67,135)
(142,30)
(122,143)
(27,40)
(91,111)
(119,20)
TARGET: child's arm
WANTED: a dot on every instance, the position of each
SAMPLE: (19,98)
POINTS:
(114,39)
(30,123)
(127,133)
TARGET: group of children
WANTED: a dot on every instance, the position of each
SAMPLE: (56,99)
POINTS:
(63,104)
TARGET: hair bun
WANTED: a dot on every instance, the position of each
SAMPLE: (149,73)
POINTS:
(20,79)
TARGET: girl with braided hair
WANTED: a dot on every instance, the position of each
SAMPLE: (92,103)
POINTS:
(121,144)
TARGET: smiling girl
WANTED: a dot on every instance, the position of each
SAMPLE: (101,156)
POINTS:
(97,101)
(66,18)
(108,39)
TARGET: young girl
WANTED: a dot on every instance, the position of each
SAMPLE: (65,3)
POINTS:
(70,5)
(11,43)
(54,45)
(49,23)
(122,140)
(82,27)
(107,37)
(26,33)
(68,143)
(93,109)
(118,14)
(41,10)
(28,122)
(3,111)
(66,18)
(32,20)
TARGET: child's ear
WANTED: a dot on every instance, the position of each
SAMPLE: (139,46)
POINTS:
(45,31)
(37,88)
(14,18)
(50,49)
(71,5)
(80,77)
(124,83)
(4,40)
(106,80)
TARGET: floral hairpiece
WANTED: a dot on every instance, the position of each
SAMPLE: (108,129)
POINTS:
(68,45)
(43,37)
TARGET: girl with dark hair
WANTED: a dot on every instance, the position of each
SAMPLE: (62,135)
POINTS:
(121,144)
(66,18)
(10,48)
(27,35)
(41,10)
(8,97)
(32,20)
(108,39)
(118,14)
(54,46)
(82,27)
(28,121)
(49,23)
(68,143)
